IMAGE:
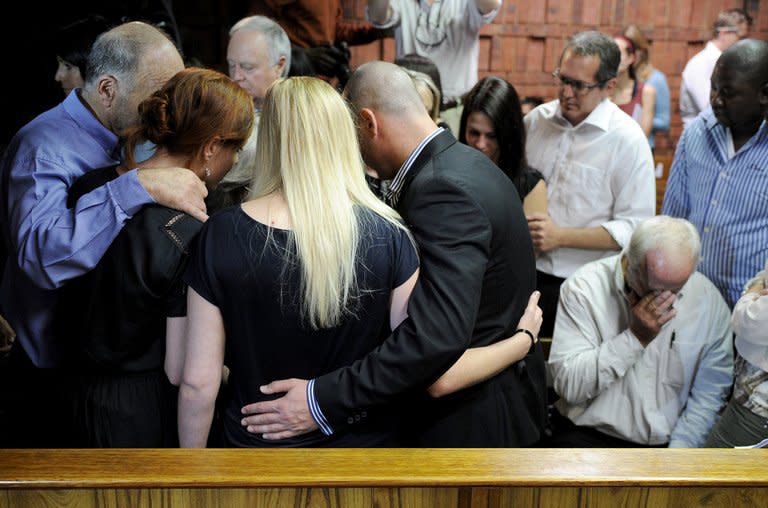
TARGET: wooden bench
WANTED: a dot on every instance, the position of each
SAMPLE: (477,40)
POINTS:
(384,478)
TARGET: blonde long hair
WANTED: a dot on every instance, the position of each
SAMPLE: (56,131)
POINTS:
(308,150)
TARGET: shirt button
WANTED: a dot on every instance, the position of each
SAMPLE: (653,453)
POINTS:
(722,174)
(714,202)
(706,229)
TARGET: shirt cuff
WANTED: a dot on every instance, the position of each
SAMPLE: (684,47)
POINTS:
(315,411)
(620,231)
(393,20)
(128,193)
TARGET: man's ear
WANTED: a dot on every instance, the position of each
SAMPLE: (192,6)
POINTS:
(368,123)
(107,88)
(609,86)
(281,66)
(763,99)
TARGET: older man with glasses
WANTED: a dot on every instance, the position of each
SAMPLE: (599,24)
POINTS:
(597,165)
(445,31)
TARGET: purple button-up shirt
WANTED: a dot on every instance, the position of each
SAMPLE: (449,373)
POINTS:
(48,243)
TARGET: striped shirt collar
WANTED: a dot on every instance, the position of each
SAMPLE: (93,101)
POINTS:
(397,183)
(721,131)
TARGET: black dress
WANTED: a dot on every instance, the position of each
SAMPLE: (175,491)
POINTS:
(233,266)
(114,318)
(526,181)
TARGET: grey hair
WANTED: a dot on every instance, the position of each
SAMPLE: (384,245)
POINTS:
(121,50)
(670,234)
(114,53)
(278,43)
(729,20)
(597,44)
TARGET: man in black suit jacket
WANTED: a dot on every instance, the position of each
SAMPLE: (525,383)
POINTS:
(477,271)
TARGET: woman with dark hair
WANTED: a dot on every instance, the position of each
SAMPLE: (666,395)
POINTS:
(635,98)
(72,44)
(650,75)
(492,122)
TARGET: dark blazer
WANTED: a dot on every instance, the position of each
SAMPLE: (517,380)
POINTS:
(477,272)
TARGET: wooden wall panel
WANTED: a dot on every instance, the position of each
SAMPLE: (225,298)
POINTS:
(524,43)
(387,497)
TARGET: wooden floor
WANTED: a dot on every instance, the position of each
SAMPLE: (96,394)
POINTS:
(384,478)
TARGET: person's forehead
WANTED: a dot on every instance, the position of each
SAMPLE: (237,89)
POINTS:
(734,76)
(586,62)
(247,43)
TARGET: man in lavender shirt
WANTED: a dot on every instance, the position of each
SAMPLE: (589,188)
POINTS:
(47,243)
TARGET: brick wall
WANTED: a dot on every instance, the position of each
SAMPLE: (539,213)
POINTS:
(524,42)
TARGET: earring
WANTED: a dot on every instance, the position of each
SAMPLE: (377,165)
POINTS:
(207,172)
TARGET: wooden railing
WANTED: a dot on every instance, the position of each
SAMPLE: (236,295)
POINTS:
(384,478)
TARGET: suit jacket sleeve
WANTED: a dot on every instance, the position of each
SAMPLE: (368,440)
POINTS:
(454,235)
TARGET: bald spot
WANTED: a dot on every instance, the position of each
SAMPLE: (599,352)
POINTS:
(384,87)
(668,268)
(159,60)
(748,57)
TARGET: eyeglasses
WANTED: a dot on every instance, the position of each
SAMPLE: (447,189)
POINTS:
(578,87)
(430,31)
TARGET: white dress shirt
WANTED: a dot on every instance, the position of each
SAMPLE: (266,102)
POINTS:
(670,391)
(457,55)
(750,322)
(598,173)
(243,170)
(695,83)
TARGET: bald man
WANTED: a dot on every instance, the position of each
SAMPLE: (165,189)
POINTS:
(719,176)
(477,271)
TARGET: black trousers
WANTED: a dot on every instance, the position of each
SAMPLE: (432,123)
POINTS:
(549,286)
(33,404)
(564,434)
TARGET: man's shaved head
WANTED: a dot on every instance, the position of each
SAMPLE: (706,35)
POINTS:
(383,87)
(750,57)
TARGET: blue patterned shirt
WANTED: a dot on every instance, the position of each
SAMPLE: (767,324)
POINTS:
(725,198)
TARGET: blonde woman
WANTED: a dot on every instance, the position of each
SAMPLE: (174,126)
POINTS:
(288,286)
(428,92)
(306,276)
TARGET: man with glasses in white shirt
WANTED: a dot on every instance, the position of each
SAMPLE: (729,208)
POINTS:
(597,165)
(445,31)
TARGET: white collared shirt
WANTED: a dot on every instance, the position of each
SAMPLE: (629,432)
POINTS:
(457,55)
(598,173)
(695,83)
(750,322)
(670,391)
